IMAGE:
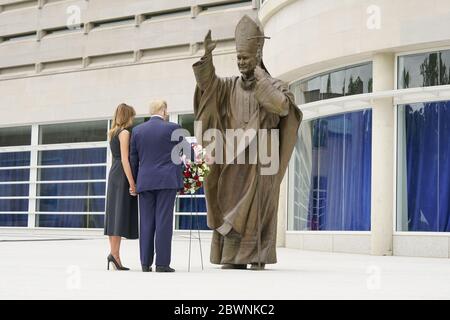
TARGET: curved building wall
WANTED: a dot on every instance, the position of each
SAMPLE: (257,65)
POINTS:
(362,178)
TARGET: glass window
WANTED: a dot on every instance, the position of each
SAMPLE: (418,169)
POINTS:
(358,80)
(186,121)
(71,189)
(70,221)
(444,67)
(15,136)
(309,91)
(83,173)
(332,85)
(188,205)
(424,70)
(88,196)
(423,166)
(89,131)
(331,176)
(15,159)
(13,220)
(14,187)
(343,82)
(72,156)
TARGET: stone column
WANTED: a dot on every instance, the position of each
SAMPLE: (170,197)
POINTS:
(383,157)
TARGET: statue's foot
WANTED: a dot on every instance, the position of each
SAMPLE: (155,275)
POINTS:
(229,266)
(256,266)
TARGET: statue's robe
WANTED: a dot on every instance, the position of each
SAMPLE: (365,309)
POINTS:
(236,192)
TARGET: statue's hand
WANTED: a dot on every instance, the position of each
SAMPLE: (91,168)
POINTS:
(260,73)
(209,44)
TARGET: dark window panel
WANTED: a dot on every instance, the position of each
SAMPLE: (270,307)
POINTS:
(72,189)
(188,222)
(13,205)
(186,121)
(84,173)
(13,220)
(70,221)
(418,70)
(15,136)
(14,175)
(14,159)
(89,131)
(72,156)
(71,205)
(14,190)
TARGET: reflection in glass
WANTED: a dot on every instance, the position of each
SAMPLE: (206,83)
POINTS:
(15,136)
(186,121)
(344,82)
(419,70)
(332,174)
(88,131)
(424,167)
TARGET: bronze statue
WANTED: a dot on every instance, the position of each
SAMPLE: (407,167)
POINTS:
(243,203)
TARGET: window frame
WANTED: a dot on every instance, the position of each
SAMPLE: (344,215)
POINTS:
(438,96)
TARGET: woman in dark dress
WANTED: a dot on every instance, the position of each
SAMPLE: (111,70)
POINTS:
(121,201)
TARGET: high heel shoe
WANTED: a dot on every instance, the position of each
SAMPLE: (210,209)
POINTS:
(111,258)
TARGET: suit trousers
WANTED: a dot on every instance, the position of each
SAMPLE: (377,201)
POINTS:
(156,226)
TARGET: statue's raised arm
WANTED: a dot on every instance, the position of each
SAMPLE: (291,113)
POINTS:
(204,69)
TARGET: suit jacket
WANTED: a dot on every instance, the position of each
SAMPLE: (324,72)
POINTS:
(150,156)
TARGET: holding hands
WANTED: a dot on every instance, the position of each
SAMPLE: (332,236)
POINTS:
(132,190)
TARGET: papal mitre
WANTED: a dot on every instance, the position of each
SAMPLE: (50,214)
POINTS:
(249,35)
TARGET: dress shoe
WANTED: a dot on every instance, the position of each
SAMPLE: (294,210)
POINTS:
(164,269)
(229,266)
(256,266)
(116,264)
(146,269)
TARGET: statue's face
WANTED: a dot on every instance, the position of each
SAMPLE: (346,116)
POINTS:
(246,62)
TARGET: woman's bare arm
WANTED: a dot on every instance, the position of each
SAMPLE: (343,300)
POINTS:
(124,138)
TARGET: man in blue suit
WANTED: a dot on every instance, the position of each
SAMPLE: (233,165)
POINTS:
(158,180)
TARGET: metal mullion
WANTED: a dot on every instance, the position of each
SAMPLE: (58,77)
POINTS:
(14,182)
(64,213)
(72,146)
(14,212)
(69,181)
(15,198)
(87,165)
(15,149)
(33,175)
(15,168)
(69,197)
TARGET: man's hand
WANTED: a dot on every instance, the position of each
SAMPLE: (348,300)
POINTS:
(209,44)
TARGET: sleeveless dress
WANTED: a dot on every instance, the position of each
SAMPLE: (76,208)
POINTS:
(121,208)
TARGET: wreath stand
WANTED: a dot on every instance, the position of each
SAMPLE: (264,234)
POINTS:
(198,232)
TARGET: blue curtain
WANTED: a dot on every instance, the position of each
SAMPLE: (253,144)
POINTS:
(14,159)
(197,205)
(78,156)
(428,166)
(340,197)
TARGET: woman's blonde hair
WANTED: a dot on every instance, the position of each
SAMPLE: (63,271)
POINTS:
(123,118)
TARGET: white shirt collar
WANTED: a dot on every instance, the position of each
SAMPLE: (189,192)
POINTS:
(157,115)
